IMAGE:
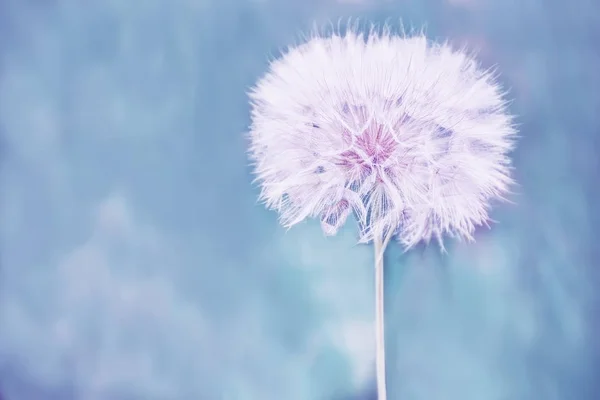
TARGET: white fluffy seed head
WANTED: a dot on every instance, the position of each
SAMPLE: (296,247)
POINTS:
(410,136)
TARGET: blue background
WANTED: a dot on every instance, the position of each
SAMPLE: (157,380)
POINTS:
(136,263)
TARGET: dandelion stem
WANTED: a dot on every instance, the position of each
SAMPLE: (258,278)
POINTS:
(380,245)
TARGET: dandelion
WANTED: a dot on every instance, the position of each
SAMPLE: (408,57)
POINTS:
(409,136)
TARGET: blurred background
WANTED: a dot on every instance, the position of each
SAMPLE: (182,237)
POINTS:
(137,264)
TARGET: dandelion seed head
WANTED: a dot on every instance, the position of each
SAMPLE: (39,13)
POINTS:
(411,137)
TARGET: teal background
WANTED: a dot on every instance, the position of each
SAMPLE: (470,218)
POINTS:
(136,263)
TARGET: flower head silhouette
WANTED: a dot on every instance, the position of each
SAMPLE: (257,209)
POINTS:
(410,136)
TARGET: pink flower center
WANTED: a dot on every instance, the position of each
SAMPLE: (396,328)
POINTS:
(371,149)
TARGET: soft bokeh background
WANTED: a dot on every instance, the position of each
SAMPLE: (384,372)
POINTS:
(137,265)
